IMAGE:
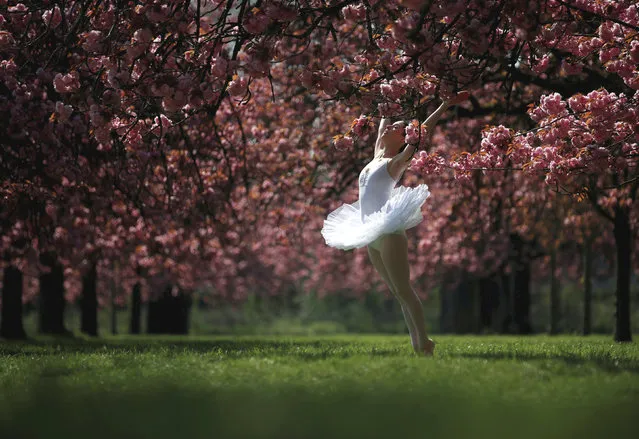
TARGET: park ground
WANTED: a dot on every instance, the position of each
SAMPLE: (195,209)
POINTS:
(335,386)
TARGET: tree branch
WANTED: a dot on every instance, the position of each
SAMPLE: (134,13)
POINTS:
(603,17)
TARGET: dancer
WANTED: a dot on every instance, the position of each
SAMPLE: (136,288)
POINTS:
(380,217)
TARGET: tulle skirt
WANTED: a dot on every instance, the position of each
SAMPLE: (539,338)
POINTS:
(344,228)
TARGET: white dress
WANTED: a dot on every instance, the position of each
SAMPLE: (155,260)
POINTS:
(381,209)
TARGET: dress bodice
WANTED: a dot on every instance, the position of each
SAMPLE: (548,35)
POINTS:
(375,186)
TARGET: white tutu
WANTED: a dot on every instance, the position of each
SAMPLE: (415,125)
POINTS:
(344,228)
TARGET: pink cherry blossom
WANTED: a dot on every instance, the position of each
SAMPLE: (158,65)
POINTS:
(68,83)
(6,40)
(238,87)
(343,142)
(52,17)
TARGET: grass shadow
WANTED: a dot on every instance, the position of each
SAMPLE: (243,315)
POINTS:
(164,410)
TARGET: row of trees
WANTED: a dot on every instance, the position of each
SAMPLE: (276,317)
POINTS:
(175,145)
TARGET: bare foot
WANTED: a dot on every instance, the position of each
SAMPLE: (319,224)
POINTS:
(459,98)
(429,349)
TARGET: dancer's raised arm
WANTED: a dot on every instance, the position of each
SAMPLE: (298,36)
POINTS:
(432,120)
(400,162)
(382,126)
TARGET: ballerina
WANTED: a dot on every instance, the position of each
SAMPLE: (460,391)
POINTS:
(379,218)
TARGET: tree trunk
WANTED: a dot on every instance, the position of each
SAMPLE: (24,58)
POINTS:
(507,307)
(114,316)
(465,319)
(555,301)
(183,304)
(11,326)
(114,292)
(89,302)
(489,291)
(521,298)
(521,286)
(169,313)
(587,286)
(446,306)
(136,309)
(623,242)
(156,315)
(52,303)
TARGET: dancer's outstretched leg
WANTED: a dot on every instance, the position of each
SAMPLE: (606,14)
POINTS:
(394,252)
(376,259)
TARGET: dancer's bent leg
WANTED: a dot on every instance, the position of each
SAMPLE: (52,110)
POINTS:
(376,259)
(394,253)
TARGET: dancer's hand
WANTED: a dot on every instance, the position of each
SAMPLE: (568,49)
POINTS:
(459,98)
(437,114)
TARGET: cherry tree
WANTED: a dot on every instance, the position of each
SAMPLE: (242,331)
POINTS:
(201,141)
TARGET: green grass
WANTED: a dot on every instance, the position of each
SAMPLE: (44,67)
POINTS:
(318,387)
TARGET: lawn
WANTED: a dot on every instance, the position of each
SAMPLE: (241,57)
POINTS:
(318,387)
